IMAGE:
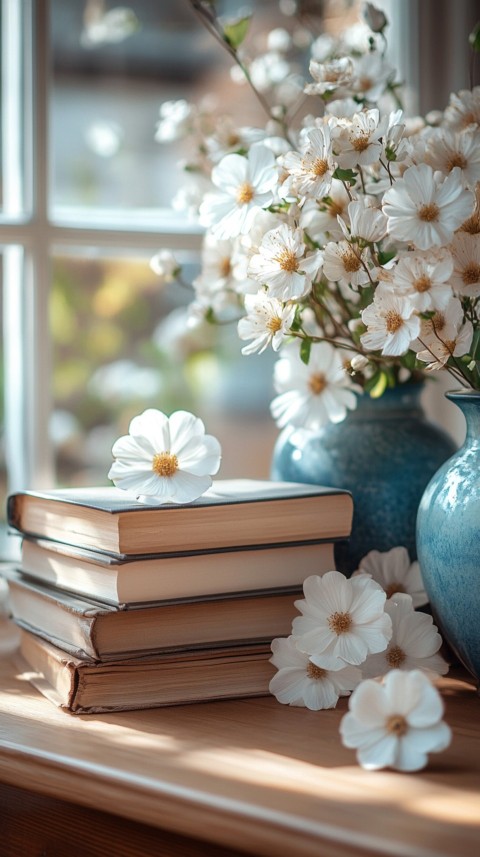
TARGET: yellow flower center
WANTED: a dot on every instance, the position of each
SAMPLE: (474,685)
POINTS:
(393,321)
(428,213)
(456,159)
(450,345)
(438,321)
(468,119)
(287,261)
(340,623)
(365,83)
(274,324)
(423,284)
(351,262)
(393,588)
(397,725)
(361,143)
(165,464)
(395,657)
(319,167)
(317,383)
(335,208)
(471,274)
(472,225)
(233,139)
(225,267)
(315,672)
(245,193)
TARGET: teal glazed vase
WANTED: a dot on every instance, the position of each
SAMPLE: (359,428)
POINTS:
(384,452)
(448,540)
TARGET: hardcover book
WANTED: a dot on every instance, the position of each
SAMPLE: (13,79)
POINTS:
(232,513)
(86,687)
(88,629)
(131,580)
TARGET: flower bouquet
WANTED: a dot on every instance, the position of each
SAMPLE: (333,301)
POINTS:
(341,234)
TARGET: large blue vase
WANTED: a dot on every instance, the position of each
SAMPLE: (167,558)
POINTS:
(448,538)
(384,452)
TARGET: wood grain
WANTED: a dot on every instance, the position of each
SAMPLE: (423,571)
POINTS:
(250,774)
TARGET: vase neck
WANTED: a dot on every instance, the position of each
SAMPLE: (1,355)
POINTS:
(403,399)
(469,404)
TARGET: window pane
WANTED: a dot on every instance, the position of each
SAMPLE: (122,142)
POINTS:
(121,345)
(113,69)
(12,104)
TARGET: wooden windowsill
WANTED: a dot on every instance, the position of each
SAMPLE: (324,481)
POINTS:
(249,774)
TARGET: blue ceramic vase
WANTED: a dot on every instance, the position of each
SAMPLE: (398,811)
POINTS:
(448,540)
(384,452)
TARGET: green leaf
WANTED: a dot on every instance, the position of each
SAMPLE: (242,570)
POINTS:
(305,349)
(345,175)
(210,316)
(380,386)
(474,38)
(385,256)
(475,349)
(234,32)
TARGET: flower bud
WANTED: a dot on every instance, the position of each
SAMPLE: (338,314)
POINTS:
(358,362)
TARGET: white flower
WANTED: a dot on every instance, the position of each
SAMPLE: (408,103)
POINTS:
(267,323)
(165,460)
(464,109)
(320,221)
(282,266)
(329,76)
(414,643)
(109,27)
(345,263)
(299,682)
(312,169)
(425,210)
(396,723)
(228,137)
(371,75)
(175,121)
(342,620)
(447,149)
(367,222)
(358,139)
(424,277)
(311,396)
(444,335)
(165,266)
(391,324)
(394,572)
(217,265)
(466,272)
(247,185)
(374,18)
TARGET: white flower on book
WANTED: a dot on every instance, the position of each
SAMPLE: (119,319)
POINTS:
(414,643)
(395,724)
(165,459)
(300,682)
(342,620)
(395,573)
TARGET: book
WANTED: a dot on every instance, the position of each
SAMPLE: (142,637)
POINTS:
(86,687)
(88,629)
(118,579)
(230,514)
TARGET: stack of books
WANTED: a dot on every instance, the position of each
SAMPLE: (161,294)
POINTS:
(127,606)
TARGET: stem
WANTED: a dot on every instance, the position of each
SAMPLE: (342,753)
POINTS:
(348,347)
(387,168)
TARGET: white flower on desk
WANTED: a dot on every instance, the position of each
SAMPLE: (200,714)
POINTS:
(165,459)
(414,644)
(300,682)
(397,723)
(342,620)
(395,573)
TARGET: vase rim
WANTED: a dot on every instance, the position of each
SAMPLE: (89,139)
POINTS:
(465,395)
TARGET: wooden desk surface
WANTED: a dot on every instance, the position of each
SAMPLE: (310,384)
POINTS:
(250,774)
